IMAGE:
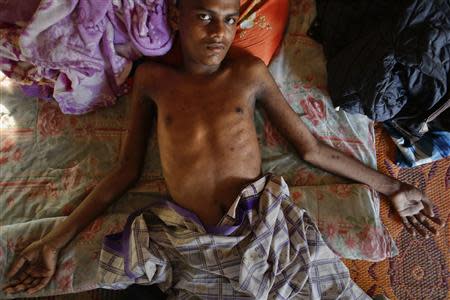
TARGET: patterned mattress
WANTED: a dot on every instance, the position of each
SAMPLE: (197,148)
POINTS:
(50,161)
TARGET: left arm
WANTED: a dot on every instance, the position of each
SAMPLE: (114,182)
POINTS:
(412,205)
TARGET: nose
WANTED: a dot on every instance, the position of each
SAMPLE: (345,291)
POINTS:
(217,29)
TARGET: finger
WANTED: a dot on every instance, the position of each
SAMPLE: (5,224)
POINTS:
(435,220)
(40,286)
(23,285)
(408,226)
(438,221)
(16,289)
(12,283)
(424,222)
(33,285)
(428,206)
(28,280)
(415,223)
(16,266)
(8,290)
(18,278)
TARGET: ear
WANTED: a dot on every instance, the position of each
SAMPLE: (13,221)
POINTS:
(174,16)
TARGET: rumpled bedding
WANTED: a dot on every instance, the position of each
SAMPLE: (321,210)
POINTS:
(79,52)
(49,161)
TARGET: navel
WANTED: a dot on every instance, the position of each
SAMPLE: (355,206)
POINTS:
(168,120)
(239,110)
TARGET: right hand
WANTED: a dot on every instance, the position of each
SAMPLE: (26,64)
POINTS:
(33,269)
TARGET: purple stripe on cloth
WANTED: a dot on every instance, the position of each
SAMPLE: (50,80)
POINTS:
(249,203)
(113,242)
(243,207)
(182,211)
(119,242)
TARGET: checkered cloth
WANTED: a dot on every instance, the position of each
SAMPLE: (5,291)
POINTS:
(266,247)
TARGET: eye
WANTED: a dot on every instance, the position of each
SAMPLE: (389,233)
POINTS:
(204,17)
(231,21)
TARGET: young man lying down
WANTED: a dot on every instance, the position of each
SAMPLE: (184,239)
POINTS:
(228,231)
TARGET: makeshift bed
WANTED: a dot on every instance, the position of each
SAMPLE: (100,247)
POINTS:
(49,161)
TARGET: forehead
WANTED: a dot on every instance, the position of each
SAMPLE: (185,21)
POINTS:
(216,6)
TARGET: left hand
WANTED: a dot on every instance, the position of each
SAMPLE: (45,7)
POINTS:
(415,209)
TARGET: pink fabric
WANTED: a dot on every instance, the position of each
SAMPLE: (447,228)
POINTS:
(79,51)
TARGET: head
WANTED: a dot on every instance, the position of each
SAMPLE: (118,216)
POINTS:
(206,29)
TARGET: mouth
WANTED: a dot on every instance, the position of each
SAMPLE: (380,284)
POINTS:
(215,47)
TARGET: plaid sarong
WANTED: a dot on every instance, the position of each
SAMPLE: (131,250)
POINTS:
(266,247)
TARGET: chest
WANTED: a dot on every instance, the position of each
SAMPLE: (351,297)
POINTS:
(204,101)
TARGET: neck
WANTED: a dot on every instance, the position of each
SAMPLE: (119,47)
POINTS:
(198,69)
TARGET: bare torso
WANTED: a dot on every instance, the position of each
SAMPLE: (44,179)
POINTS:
(207,139)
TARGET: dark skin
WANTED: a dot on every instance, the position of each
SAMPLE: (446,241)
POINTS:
(215,133)
(208,144)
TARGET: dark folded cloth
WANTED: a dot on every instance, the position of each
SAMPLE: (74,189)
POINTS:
(389,60)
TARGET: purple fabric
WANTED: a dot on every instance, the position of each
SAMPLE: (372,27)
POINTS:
(119,242)
(38,90)
(83,49)
(111,241)
(244,206)
(277,253)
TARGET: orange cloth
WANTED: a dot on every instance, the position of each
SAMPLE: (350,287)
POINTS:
(261,30)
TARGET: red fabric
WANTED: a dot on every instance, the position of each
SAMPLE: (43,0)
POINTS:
(261,31)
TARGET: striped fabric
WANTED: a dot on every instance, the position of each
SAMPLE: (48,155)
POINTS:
(266,247)
(412,152)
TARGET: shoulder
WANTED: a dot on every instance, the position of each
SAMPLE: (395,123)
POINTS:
(253,72)
(151,79)
(250,69)
(147,72)
(147,76)
(244,61)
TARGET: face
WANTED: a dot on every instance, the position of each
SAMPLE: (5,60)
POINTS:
(207,29)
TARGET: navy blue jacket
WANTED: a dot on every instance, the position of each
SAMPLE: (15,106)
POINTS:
(389,60)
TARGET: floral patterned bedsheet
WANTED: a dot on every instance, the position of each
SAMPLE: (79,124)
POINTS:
(49,161)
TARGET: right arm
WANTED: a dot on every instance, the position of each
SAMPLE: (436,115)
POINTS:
(119,179)
(39,259)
